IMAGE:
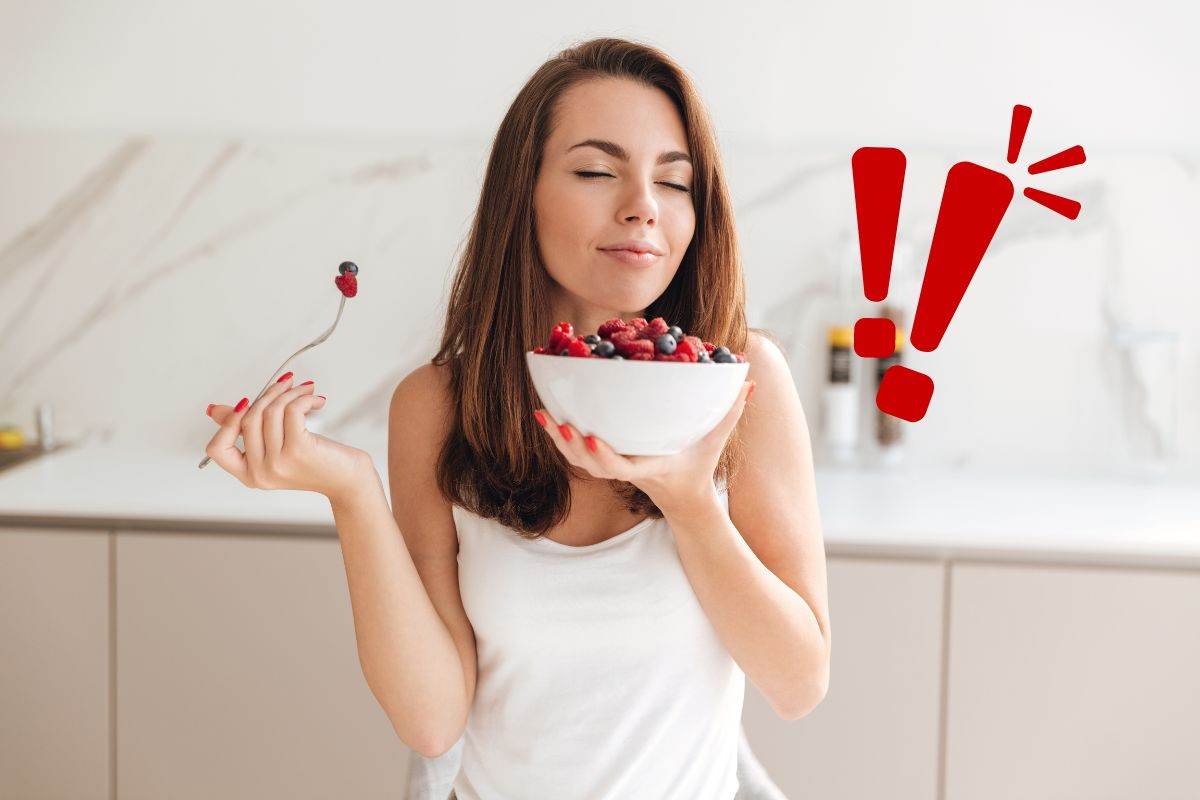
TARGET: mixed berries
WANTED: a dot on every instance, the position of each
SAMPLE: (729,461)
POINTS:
(347,280)
(636,340)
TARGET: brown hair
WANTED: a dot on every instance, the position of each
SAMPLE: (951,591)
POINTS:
(496,461)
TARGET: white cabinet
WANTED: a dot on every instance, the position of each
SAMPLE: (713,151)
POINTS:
(1073,682)
(54,664)
(876,732)
(238,673)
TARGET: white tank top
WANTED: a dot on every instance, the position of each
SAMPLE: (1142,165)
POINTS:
(600,676)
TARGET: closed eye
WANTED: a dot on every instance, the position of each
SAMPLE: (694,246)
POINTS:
(592,175)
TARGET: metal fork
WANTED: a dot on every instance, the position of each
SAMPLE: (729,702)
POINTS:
(291,358)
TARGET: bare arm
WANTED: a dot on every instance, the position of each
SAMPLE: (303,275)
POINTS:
(404,648)
(413,638)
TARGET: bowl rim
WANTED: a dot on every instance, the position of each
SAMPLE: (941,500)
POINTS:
(637,360)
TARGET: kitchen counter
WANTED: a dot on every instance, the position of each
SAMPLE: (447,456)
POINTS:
(896,513)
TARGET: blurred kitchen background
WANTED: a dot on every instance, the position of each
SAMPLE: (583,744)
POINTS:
(1015,579)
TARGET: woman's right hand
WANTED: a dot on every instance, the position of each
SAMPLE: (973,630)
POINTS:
(281,453)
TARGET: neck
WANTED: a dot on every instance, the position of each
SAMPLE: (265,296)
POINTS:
(585,317)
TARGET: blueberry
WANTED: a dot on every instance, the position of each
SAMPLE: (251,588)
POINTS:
(723,358)
(592,338)
(703,356)
(618,358)
(675,331)
(565,351)
(721,349)
(604,349)
(666,344)
(348,266)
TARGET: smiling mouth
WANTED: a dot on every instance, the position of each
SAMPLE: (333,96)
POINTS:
(632,257)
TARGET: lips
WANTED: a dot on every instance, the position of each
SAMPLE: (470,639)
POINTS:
(631,256)
(634,245)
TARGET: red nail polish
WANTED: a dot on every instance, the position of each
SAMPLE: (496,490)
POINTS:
(540,417)
(210,408)
(245,401)
(306,383)
(591,443)
(565,430)
(284,377)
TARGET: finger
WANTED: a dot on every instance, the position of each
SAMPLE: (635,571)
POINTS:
(252,432)
(222,448)
(218,413)
(574,445)
(293,418)
(273,419)
(554,431)
(613,463)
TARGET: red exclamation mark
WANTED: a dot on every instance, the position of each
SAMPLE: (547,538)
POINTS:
(878,185)
(973,203)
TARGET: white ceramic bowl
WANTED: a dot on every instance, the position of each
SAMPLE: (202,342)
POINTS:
(640,408)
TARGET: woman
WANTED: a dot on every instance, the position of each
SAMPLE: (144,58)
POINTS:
(584,621)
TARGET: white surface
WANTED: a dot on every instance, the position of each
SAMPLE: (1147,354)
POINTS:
(904,512)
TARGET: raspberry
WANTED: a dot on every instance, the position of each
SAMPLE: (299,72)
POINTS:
(709,346)
(579,348)
(560,336)
(686,350)
(697,345)
(638,322)
(634,348)
(611,326)
(347,284)
(654,328)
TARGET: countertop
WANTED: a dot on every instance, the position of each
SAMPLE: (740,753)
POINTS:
(897,512)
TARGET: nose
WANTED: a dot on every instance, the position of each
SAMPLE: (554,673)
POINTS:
(640,205)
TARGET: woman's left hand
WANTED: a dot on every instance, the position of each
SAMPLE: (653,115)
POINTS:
(670,481)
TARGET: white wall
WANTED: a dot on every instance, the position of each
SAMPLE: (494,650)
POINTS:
(154,155)
(929,71)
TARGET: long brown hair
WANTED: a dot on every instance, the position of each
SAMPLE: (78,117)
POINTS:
(495,461)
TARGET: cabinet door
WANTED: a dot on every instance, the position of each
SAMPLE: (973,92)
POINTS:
(1073,682)
(54,664)
(876,732)
(238,673)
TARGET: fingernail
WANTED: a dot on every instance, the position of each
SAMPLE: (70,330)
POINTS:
(565,430)
(306,383)
(591,443)
(540,417)
(321,396)
(751,391)
(245,401)
(209,409)
(284,377)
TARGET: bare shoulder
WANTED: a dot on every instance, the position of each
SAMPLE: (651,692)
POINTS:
(423,391)
(767,359)
(418,420)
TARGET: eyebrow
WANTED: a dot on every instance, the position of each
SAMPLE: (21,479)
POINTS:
(616,151)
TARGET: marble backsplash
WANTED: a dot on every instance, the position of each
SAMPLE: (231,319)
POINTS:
(144,277)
